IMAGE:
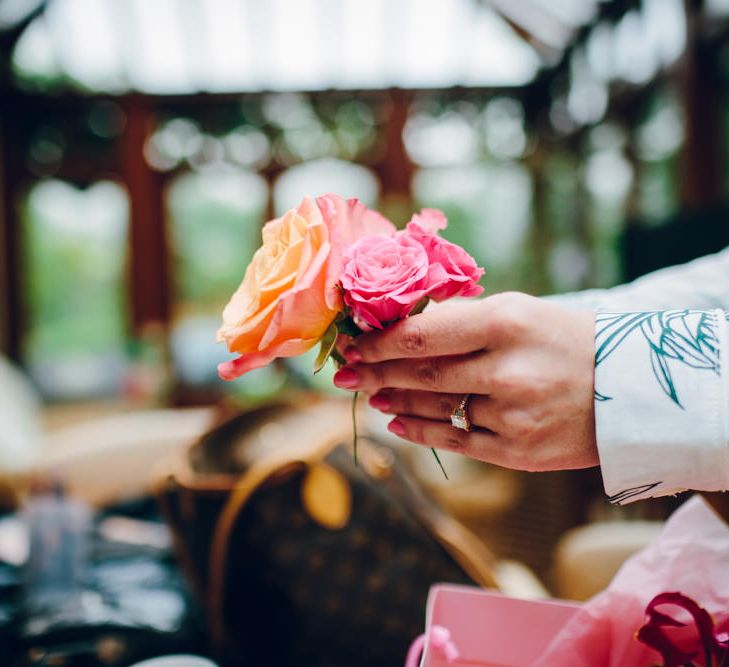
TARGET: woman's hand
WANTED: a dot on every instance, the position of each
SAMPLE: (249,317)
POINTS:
(527,363)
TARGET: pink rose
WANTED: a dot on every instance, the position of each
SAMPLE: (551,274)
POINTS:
(384,278)
(453,272)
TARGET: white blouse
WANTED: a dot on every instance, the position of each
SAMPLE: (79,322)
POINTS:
(662,380)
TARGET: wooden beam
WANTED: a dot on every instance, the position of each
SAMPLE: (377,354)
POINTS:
(541,29)
(540,281)
(701,157)
(188,103)
(11,34)
(395,169)
(4,258)
(11,176)
(149,271)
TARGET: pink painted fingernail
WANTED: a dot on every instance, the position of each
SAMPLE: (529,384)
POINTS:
(352,355)
(346,378)
(396,427)
(380,402)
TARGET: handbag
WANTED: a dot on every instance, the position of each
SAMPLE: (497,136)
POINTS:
(301,557)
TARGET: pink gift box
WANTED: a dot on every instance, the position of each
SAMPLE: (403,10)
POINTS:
(489,629)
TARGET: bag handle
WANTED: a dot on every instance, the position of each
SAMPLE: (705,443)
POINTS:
(474,557)
(439,639)
(246,486)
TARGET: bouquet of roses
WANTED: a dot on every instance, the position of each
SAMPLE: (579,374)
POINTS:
(333,267)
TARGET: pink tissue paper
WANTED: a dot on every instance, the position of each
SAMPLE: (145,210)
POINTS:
(474,627)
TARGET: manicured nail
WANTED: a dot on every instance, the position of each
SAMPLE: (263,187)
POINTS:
(380,402)
(396,427)
(346,378)
(352,355)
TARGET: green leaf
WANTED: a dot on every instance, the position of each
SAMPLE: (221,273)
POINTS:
(612,330)
(662,373)
(328,341)
(419,306)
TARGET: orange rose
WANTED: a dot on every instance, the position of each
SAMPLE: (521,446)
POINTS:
(288,297)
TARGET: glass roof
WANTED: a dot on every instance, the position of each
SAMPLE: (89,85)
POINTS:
(185,46)
(237,46)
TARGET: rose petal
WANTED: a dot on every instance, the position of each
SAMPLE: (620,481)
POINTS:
(347,221)
(430,220)
(281,307)
(384,278)
(461,271)
(229,370)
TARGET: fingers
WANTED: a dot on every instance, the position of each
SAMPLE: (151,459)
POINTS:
(448,329)
(343,342)
(482,445)
(449,375)
(435,406)
(453,328)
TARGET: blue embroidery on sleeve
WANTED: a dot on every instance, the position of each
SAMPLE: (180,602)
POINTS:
(627,494)
(673,336)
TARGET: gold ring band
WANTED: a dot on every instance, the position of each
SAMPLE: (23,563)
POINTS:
(459,416)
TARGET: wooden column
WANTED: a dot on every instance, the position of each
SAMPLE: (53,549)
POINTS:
(632,205)
(10,231)
(149,270)
(4,254)
(701,159)
(539,234)
(394,169)
(12,176)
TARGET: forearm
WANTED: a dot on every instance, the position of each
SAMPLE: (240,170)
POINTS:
(662,402)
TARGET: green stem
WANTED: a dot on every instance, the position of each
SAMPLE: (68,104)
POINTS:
(437,458)
(338,358)
(354,426)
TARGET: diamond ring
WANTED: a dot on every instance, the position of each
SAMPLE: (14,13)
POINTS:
(459,416)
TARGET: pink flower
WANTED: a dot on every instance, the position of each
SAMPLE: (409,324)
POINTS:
(453,272)
(384,278)
(289,296)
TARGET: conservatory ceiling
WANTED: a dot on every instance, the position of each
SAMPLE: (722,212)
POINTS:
(188,46)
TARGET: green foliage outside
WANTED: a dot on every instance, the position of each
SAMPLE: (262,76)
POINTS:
(213,237)
(74,280)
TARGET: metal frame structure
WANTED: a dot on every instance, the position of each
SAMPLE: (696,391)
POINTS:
(149,281)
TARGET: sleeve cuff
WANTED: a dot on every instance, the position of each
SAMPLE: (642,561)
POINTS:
(661,402)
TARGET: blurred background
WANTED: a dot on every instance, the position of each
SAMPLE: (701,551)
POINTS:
(143,143)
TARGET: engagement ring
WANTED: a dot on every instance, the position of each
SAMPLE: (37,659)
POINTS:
(459,416)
